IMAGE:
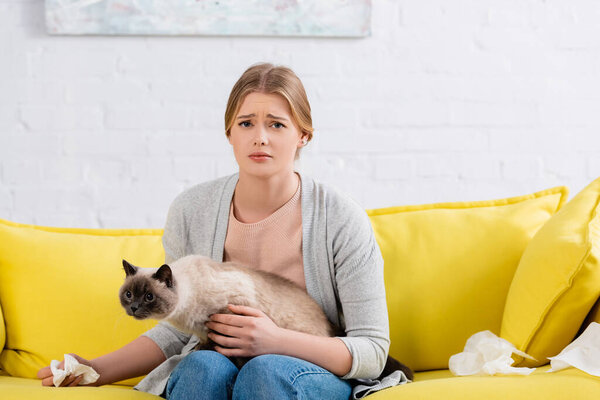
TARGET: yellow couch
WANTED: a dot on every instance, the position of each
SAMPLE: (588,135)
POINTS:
(451,270)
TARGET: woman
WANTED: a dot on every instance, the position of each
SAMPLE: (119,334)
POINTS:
(270,217)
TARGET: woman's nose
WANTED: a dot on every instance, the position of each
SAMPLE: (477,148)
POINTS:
(260,136)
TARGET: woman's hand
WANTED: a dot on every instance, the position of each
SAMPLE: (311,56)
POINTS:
(247,333)
(45,374)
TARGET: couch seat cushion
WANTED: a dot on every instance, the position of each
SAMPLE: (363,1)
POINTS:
(31,389)
(569,383)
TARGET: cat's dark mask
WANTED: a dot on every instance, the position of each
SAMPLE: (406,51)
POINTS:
(147,296)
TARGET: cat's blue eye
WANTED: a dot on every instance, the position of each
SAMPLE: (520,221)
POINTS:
(149,296)
(128,294)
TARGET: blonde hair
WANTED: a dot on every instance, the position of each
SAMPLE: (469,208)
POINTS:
(270,79)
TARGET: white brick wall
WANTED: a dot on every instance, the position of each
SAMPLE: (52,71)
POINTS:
(446,101)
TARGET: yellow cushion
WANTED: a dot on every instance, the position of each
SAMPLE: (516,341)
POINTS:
(59,291)
(448,267)
(569,383)
(31,389)
(557,281)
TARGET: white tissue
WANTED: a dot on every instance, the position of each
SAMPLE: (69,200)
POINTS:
(72,366)
(583,353)
(487,354)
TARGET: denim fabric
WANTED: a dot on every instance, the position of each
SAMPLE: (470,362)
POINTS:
(207,374)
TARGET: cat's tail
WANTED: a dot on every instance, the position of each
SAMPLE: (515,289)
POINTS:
(392,365)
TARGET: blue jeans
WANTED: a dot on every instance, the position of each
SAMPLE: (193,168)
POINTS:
(207,374)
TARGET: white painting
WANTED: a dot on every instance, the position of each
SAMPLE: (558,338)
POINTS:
(202,17)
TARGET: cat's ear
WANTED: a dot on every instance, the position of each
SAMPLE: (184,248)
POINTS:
(129,269)
(165,275)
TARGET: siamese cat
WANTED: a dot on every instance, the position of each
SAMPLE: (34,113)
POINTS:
(190,289)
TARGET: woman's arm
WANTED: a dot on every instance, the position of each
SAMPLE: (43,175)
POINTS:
(328,352)
(136,358)
(250,332)
(360,287)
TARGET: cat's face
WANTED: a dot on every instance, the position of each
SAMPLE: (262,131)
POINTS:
(148,293)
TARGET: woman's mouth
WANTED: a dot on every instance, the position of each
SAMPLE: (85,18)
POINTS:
(260,158)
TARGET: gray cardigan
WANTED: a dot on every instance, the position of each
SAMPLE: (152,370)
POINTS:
(343,268)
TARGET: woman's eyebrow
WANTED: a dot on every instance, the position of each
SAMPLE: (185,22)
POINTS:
(268,115)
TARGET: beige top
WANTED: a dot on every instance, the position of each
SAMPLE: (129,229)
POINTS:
(273,244)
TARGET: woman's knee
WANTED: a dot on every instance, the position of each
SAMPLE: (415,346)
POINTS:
(262,377)
(266,364)
(278,376)
(201,361)
(202,369)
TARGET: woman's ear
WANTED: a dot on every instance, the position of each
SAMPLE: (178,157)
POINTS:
(303,139)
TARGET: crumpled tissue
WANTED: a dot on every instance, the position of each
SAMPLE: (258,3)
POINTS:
(72,366)
(487,354)
(583,353)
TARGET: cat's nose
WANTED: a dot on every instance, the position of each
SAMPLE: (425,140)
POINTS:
(134,308)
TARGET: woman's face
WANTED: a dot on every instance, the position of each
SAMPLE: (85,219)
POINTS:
(264,124)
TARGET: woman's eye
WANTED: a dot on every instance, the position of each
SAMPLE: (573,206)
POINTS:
(280,125)
(149,296)
(244,122)
(128,294)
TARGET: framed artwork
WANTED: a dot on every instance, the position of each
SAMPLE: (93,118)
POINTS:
(343,18)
